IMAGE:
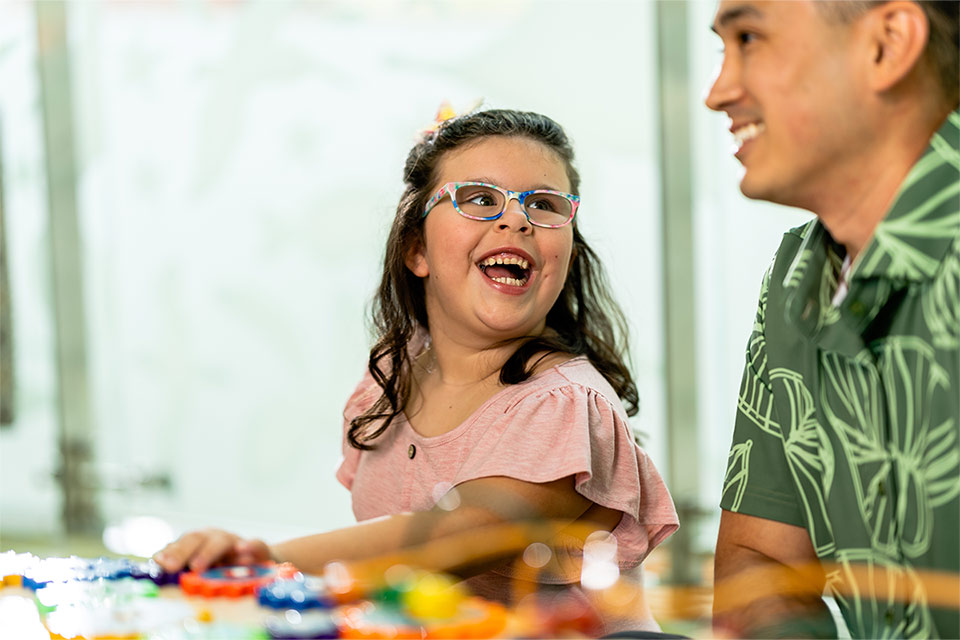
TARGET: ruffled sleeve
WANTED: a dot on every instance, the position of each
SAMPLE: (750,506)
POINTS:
(574,430)
(362,398)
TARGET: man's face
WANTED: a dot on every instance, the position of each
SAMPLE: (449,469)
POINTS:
(789,83)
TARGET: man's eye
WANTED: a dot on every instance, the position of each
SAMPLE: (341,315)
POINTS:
(745,37)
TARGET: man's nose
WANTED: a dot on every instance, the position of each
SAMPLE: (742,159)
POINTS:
(726,88)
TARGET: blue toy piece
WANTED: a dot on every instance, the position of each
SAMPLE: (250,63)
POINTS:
(56,570)
(294,625)
(299,593)
(53,570)
(150,570)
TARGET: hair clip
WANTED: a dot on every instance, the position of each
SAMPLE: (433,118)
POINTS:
(444,113)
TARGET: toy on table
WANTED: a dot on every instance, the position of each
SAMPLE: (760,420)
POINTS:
(294,624)
(110,598)
(130,619)
(91,594)
(209,631)
(299,592)
(13,565)
(421,604)
(33,573)
(300,607)
(94,609)
(557,615)
(233,581)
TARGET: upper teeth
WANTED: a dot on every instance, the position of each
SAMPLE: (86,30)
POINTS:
(748,132)
(492,260)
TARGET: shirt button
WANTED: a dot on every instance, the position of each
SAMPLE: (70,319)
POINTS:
(411,451)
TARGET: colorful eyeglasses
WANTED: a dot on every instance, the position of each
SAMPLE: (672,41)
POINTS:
(481,201)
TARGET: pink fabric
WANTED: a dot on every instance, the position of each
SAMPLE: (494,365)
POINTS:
(565,421)
(559,423)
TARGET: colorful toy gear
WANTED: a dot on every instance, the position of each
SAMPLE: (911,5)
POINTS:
(233,581)
(300,592)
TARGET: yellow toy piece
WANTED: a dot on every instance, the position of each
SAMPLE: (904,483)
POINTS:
(433,596)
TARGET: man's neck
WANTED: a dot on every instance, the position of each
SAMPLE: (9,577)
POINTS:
(852,214)
(852,208)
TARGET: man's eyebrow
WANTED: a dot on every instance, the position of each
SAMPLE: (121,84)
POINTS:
(735,13)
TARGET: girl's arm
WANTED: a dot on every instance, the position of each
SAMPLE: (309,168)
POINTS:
(482,502)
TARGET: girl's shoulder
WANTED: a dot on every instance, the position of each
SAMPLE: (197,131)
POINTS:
(568,375)
(364,395)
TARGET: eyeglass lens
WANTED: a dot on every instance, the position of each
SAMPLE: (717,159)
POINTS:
(542,208)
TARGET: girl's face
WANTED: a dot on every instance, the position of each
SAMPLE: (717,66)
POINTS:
(469,296)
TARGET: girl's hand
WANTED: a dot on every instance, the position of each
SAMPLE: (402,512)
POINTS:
(200,550)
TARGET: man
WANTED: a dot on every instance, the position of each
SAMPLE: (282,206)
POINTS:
(844,471)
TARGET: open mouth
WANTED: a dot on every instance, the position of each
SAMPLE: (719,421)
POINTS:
(506,268)
(746,133)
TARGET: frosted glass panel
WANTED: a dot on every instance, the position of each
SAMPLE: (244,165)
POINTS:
(29,497)
(240,163)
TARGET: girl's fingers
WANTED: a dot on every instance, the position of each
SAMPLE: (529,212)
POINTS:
(177,554)
(216,545)
(251,551)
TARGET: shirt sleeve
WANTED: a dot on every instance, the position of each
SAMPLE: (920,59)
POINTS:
(758,480)
(574,430)
(362,398)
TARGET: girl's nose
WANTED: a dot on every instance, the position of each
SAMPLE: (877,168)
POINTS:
(514,218)
(726,88)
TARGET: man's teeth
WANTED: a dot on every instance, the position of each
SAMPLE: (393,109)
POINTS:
(510,281)
(492,260)
(748,132)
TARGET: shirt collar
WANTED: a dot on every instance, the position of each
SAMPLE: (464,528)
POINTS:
(921,225)
(908,245)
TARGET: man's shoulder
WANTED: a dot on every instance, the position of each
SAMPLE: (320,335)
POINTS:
(795,234)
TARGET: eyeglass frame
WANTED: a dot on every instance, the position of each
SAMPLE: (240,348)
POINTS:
(451,187)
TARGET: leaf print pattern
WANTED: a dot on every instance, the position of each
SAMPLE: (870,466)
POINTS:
(866,586)
(924,444)
(738,472)
(851,399)
(809,453)
(941,307)
(848,422)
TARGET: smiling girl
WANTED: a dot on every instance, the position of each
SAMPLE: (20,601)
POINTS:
(495,392)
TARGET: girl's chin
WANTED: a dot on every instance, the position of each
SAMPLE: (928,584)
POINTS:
(507,330)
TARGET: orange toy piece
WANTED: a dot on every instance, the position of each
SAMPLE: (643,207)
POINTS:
(475,618)
(233,581)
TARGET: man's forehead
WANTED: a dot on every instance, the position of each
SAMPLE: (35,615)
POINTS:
(731,11)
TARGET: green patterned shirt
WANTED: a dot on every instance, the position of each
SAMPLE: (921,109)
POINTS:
(848,422)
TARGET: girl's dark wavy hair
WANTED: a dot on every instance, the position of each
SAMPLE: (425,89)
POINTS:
(585,318)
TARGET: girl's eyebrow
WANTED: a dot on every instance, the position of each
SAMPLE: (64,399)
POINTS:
(494,182)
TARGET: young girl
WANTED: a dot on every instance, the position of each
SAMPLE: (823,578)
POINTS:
(494,390)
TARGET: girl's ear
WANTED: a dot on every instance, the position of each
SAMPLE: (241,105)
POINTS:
(416,261)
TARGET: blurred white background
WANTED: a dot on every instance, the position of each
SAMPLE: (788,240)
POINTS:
(238,163)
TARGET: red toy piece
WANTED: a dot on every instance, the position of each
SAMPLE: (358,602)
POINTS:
(233,581)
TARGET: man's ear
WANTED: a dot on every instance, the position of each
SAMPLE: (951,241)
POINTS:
(416,261)
(898,33)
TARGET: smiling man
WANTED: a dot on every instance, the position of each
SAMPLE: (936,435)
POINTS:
(844,472)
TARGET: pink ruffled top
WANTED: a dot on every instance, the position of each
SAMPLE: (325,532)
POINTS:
(564,421)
